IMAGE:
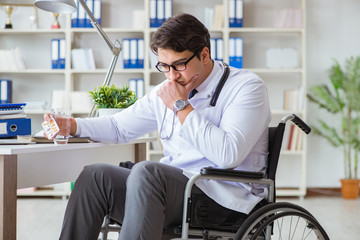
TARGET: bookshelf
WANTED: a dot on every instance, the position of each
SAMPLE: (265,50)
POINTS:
(258,34)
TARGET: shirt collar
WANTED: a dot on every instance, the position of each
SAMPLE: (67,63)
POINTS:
(207,88)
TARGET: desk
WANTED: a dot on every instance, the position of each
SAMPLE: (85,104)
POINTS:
(34,165)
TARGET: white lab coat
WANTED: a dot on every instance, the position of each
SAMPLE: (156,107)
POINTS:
(233,134)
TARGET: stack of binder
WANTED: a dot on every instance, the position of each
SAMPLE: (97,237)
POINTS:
(137,86)
(79,19)
(133,52)
(13,120)
(160,10)
(217,49)
(236,13)
(58,53)
(236,52)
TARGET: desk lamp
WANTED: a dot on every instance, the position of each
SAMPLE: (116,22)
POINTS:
(69,6)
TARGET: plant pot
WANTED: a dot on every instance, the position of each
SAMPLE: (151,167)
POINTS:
(108,111)
(350,188)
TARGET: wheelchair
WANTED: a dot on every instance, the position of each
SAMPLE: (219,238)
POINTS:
(273,220)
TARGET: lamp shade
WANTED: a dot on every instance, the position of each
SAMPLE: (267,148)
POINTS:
(56,6)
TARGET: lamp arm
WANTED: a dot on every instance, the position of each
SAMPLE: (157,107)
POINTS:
(114,47)
(107,79)
(111,68)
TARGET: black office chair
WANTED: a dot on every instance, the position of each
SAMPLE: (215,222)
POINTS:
(271,220)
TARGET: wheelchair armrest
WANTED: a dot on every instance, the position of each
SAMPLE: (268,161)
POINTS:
(231,173)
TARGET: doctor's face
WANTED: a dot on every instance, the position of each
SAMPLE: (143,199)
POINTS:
(181,67)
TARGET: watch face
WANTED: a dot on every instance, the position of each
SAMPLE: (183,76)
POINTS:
(179,104)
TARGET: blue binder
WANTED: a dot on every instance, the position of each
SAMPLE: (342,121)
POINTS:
(232,13)
(62,50)
(97,11)
(133,53)
(239,53)
(153,15)
(126,52)
(5,91)
(239,13)
(75,16)
(55,53)
(160,12)
(15,127)
(90,5)
(140,53)
(81,17)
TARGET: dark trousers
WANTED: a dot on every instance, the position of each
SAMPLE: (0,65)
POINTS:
(144,200)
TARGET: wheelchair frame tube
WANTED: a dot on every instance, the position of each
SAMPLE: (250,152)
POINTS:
(193,179)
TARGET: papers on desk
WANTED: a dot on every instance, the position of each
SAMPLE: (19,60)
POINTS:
(12,108)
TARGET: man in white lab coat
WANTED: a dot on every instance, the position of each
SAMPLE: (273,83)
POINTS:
(231,134)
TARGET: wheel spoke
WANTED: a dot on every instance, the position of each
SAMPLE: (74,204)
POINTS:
(296,226)
(285,222)
(280,227)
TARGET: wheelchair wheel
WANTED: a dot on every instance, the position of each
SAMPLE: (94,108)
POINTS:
(281,221)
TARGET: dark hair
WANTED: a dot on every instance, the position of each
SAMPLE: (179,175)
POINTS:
(181,32)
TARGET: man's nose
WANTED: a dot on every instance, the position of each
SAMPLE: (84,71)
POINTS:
(173,74)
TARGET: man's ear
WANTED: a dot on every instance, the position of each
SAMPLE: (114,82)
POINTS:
(205,55)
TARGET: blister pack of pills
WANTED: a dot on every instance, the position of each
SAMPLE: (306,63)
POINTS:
(50,128)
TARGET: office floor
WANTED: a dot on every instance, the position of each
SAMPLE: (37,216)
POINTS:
(41,218)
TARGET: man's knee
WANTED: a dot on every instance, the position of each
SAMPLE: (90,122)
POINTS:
(91,170)
(97,172)
(144,173)
(146,168)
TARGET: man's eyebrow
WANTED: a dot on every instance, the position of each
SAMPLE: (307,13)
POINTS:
(179,60)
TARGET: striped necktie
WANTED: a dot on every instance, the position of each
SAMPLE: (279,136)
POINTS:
(192,93)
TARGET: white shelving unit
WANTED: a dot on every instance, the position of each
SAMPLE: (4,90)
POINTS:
(38,80)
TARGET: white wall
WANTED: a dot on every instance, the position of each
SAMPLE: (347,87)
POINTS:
(333,32)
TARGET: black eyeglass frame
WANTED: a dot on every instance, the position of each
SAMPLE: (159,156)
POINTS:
(174,67)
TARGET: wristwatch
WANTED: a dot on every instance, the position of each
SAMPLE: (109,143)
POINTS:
(179,105)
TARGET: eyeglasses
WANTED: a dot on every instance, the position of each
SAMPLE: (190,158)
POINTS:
(180,66)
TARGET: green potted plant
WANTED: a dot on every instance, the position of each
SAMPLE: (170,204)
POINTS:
(341,98)
(111,99)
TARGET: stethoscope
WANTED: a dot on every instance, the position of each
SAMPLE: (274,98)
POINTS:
(213,100)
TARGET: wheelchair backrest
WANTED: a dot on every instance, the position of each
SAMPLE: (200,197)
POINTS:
(275,141)
(276,135)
